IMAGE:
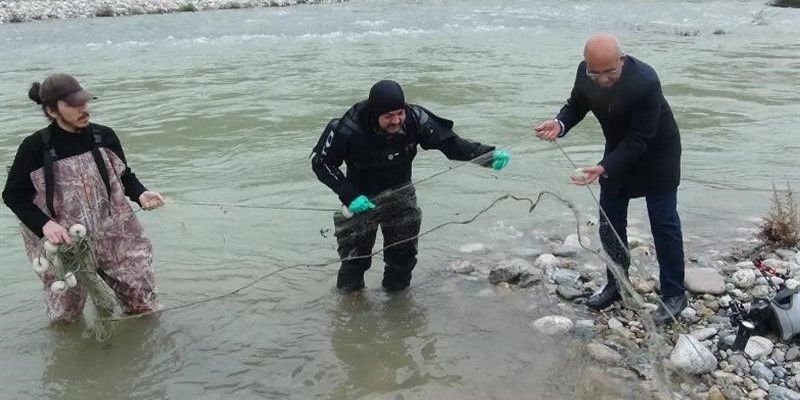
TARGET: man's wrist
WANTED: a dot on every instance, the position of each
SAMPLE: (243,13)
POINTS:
(561,124)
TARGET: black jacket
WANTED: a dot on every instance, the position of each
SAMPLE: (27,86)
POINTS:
(377,162)
(643,145)
(19,192)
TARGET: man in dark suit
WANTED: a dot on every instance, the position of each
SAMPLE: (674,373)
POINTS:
(641,159)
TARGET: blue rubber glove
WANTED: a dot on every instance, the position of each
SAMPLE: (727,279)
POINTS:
(500,159)
(360,204)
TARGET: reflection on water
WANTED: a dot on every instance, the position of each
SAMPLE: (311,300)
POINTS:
(225,107)
(79,368)
(371,338)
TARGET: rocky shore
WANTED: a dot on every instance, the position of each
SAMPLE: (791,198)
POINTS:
(696,353)
(33,10)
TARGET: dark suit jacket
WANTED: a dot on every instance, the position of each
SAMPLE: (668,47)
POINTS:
(643,146)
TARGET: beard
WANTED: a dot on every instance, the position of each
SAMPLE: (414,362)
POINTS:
(75,124)
(400,132)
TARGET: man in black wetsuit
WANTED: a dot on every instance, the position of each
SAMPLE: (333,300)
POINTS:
(377,139)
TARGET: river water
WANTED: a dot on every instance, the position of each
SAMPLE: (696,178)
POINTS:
(224,107)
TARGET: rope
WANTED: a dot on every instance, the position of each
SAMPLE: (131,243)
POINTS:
(628,292)
(251,206)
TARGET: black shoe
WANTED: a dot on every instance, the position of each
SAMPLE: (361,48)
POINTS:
(670,309)
(605,297)
(347,283)
(394,286)
(395,281)
(347,289)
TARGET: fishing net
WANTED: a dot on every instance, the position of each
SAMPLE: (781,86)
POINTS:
(74,267)
(652,349)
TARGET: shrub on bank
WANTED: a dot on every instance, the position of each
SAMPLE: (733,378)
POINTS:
(781,226)
(188,7)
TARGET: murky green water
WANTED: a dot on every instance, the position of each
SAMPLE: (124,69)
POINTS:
(224,107)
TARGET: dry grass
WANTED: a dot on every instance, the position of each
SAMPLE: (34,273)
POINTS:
(781,226)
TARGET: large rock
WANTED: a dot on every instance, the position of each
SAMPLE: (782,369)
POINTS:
(565,277)
(603,353)
(503,275)
(530,278)
(761,371)
(568,292)
(566,250)
(726,378)
(792,354)
(509,271)
(571,246)
(704,281)
(643,285)
(760,292)
(744,279)
(703,334)
(758,347)
(782,393)
(462,267)
(739,363)
(546,262)
(689,355)
(552,325)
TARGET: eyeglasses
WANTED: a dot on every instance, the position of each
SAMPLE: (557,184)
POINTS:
(612,73)
(609,73)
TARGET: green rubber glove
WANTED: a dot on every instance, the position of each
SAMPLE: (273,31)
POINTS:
(360,204)
(500,159)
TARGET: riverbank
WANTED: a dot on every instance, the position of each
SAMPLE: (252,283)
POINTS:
(12,11)
(699,349)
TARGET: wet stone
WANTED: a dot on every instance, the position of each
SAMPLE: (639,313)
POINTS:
(758,347)
(552,325)
(530,278)
(603,353)
(568,292)
(761,371)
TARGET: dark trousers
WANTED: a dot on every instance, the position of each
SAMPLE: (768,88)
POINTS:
(665,225)
(399,219)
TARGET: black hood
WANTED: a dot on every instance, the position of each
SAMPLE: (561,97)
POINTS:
(385,96)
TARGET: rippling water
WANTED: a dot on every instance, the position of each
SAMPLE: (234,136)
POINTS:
(225,106)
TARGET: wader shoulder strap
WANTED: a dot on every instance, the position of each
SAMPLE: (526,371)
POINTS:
(98,160)
(50,157)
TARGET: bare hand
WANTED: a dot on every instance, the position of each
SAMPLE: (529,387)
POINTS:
(55,233)
(548,130)
(151,200)
(590,175)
